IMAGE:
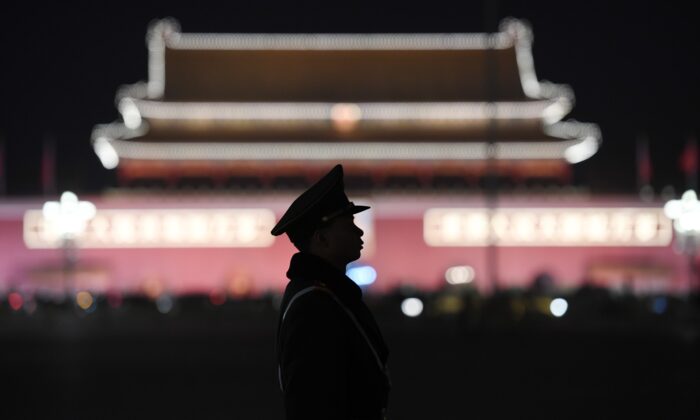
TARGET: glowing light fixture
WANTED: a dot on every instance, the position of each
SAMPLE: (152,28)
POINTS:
(345,116)
(460,274)
(685,213)
(558,307)
(412,307)
(69,216)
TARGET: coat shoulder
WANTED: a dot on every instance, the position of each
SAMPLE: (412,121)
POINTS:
(314,301)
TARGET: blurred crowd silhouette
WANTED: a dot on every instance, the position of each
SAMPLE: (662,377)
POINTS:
(532,353)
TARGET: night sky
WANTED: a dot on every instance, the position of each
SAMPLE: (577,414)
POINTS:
(633,67)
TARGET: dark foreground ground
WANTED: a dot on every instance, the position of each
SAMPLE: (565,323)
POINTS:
(467,358)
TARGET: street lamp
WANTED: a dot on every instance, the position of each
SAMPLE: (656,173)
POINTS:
(685,214)
(67,219)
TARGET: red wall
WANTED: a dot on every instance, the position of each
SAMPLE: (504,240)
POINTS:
(400,257)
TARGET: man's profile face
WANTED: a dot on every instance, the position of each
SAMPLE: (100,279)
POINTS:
(343,239)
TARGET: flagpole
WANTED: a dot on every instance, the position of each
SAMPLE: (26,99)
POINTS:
(692,182)
(491,171)
(691,175)
(3,173)
(689,166)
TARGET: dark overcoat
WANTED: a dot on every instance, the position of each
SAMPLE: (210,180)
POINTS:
(331,355)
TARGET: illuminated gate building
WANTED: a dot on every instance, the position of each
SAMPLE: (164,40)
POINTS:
(463,154)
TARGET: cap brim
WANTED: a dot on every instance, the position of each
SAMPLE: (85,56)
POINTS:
(357,209)
(350,210)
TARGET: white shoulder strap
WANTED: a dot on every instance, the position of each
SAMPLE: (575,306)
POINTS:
(352,317)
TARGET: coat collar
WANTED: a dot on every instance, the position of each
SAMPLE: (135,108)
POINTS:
(307,270)
(306,267)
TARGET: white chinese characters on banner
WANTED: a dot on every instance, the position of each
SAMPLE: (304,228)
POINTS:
(167,228)
(547,227)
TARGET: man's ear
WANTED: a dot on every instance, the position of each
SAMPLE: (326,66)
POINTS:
(316,239)
(320,237)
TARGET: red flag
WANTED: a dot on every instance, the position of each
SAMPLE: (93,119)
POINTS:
(689,162)
(644,169)
(48,166)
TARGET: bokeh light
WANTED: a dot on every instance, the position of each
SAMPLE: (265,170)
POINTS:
(460,274)
(15,300)
(558,307)
(412,307)
(164,304)
(363,275)
(84,300)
